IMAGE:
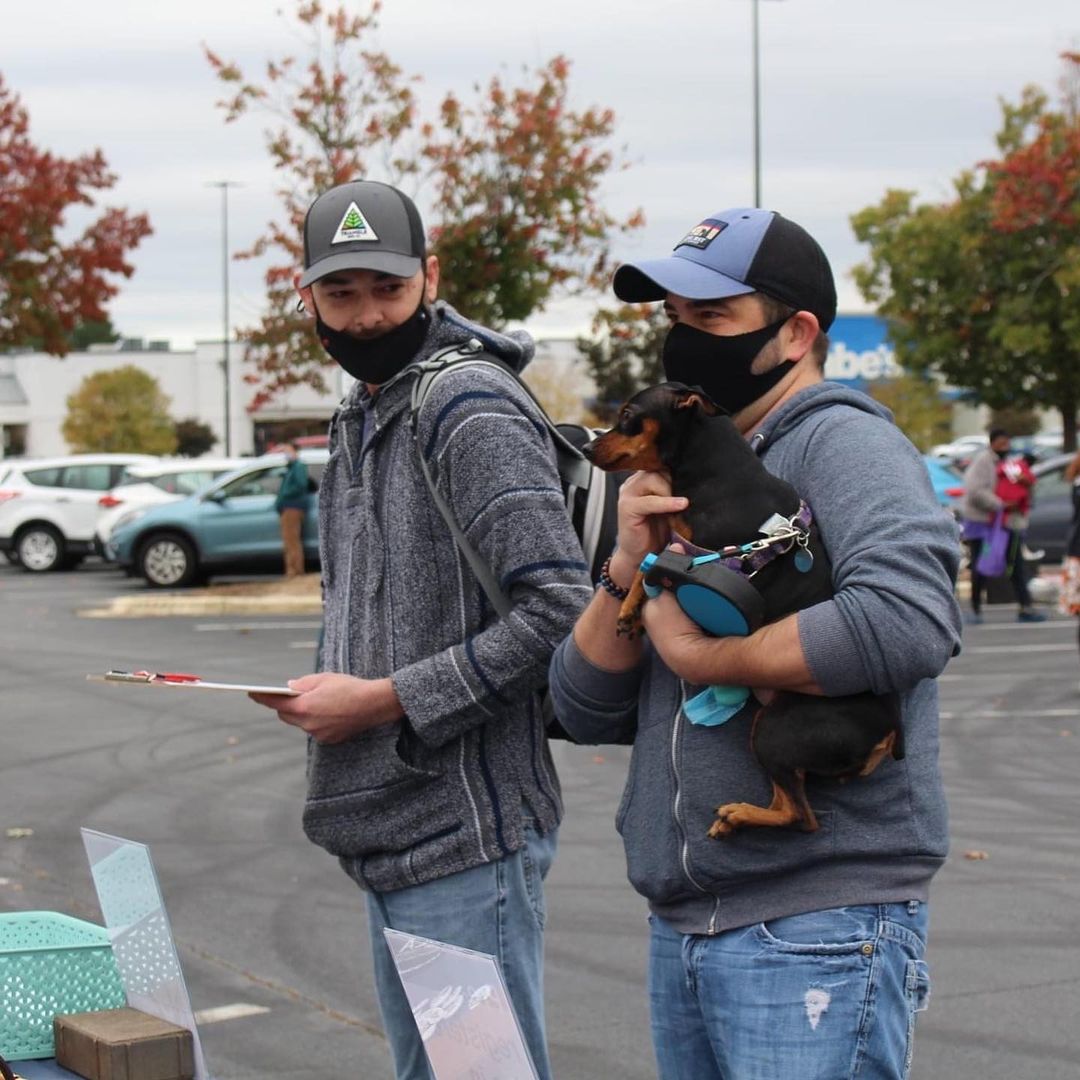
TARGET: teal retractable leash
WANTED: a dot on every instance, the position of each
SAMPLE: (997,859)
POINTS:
(715,591)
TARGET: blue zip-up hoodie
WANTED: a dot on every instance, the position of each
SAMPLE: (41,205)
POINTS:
(892,626)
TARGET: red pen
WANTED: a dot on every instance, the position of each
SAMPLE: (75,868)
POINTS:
(178,676)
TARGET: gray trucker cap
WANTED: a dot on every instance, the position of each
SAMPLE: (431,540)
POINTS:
(362,225)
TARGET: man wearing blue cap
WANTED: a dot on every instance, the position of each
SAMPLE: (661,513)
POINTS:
(776,952)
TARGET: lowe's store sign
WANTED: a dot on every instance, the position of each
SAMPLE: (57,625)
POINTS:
(859,352)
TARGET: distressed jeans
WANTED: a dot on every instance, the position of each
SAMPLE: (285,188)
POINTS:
(828,995)
(497,908)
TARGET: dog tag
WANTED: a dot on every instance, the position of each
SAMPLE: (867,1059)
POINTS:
(804,560)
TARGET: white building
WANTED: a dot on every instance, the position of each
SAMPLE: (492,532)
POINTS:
(34,388)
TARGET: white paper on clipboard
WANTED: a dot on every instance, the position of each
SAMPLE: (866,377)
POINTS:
(190,682)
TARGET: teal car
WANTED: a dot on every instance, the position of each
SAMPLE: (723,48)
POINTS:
(230,525)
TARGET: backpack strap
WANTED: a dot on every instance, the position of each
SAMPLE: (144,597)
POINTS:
(573,467)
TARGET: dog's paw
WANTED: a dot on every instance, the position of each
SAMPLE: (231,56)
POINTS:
(726,820)
(720,828)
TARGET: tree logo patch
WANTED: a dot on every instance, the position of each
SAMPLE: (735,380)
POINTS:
(353,226)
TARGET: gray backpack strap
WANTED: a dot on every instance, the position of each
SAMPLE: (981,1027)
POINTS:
(573,466)
(427,371)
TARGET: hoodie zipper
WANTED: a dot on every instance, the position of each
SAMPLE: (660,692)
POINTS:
(676,732)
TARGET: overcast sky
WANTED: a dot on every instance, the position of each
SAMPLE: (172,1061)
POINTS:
(857,96)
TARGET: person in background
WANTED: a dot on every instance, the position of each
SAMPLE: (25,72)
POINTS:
(981,505)
(291,504)
(1069,602)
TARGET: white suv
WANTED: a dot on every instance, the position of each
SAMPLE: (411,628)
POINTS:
(49,506)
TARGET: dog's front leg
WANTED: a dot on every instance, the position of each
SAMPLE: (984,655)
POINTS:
(629,624)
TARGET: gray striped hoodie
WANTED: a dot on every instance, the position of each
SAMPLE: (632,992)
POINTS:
(450,786)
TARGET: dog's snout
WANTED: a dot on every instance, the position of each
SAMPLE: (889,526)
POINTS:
(589,449)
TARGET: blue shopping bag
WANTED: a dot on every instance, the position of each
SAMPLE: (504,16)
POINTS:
(993,558)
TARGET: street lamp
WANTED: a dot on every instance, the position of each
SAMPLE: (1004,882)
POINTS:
(225,185)
(757,110)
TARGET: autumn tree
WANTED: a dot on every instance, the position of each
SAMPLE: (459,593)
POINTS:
(917,407)
(52,280)
(514,177)
(984,290)
(624,354)
(122,410)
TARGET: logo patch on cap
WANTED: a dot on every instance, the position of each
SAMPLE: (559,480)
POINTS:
(354,226)
(701,236)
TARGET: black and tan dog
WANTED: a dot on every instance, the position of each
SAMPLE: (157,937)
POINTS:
(676,429)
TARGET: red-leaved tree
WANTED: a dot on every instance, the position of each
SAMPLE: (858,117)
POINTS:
(515,179)
(49,283)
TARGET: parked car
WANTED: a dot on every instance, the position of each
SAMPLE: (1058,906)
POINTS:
(961,450)
(49,506)
(1051,509)
(948,482)
(161,482)
(230,525)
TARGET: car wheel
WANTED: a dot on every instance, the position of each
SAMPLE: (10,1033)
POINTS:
(40,548)
(168,561)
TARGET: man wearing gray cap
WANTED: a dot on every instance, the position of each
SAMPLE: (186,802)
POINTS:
(429,773)
(776,952)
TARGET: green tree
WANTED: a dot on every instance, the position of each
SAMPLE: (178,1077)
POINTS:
(193,437)
(515,177)
(93,332)
(119,411)
(982,290)
(917,407)
(624,354)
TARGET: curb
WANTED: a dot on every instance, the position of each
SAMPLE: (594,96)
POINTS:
(158,606)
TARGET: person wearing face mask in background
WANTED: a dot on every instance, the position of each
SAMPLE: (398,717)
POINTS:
(291,504)
(429,773)
(981,504)
(767,946)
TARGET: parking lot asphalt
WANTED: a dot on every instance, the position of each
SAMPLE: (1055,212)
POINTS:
(271,933)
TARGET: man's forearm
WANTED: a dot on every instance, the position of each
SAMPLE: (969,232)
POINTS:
(771,658)
(594,633)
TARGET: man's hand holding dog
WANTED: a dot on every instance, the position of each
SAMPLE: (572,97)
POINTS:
(646,506)
(332,708)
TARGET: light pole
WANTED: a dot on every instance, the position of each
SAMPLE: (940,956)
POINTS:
(757,108)
(225,185)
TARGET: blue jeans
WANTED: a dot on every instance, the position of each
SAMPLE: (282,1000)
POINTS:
(828,995)
(498,909)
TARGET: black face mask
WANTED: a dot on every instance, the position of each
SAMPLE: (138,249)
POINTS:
(376,360)
(721,365)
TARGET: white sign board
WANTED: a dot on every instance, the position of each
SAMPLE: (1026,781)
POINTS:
(462,1009)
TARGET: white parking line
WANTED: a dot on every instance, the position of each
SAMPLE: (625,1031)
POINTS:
(1010,714)
(248,627)
(302,644)
(983,649)
(229,1012)
(1050,624)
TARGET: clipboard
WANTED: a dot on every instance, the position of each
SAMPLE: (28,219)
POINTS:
(179,680)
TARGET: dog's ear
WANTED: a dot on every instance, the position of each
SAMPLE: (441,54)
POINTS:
(694,397)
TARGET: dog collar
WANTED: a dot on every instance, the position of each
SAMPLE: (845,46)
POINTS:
(780,535)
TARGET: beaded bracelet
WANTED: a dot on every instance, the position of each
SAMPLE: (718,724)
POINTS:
(608,585)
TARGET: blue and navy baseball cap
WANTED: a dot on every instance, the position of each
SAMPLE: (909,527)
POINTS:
(736,252)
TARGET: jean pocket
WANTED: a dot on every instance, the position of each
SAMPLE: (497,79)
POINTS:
(917,989)
(833,931)
(536,857)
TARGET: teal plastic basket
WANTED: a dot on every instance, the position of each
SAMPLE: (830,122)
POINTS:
(50,964)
